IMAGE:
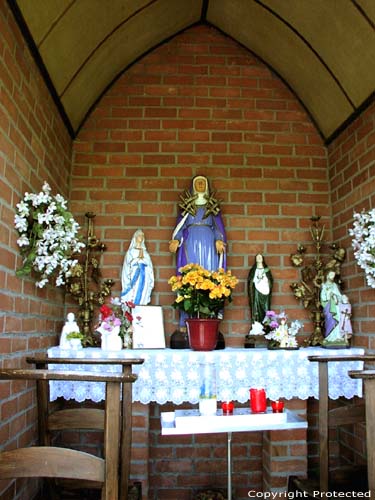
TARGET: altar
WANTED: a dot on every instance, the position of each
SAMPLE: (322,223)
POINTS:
(170,375)
(169,379)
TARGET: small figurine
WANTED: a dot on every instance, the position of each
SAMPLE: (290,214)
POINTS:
(259,287)
(283,332)
(334,304)
(345,315)
(70,327)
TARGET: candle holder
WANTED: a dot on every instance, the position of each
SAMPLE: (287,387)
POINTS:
(258,402)
(207,396)
(308,289)
(277,406)
(227,407)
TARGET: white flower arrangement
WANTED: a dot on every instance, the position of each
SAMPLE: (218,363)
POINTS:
(363,243)
(278,332)
(47,236)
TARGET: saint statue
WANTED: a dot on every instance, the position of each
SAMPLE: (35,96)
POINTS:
(259,286)
(345,321)
(70,326)
(336,309)
(137,276)
(199,236)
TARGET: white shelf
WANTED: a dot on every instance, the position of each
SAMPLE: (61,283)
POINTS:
(242,420)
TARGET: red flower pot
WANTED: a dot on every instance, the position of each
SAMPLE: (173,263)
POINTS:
(203,333)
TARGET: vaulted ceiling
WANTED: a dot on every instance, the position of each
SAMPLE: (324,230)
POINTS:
(323,49)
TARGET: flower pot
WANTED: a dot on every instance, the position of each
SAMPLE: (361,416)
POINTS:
(203,333)
(75,344)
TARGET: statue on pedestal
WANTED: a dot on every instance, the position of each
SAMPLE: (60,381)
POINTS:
(199,236)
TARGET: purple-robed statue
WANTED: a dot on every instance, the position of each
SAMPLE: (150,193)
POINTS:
(199,236)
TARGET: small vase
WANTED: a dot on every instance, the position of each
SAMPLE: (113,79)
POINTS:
(75,344)
(203,333)
(111,340)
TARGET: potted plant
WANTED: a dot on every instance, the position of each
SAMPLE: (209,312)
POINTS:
(363,243)
(201,294)
(48,237)
(115,324)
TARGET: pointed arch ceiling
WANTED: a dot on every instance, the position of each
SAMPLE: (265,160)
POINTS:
(323,49)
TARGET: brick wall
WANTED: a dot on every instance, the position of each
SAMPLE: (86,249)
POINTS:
(34,146)
(202,104)
(352,174)
(352,170)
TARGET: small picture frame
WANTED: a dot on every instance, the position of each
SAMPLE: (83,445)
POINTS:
(148,327)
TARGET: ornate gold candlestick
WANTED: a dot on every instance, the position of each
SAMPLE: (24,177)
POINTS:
(85,283)
(307,290)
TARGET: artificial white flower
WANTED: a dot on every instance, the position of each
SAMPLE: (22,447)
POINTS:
(23,208)
(363,243)
(256,329)
(295,327)
(48,236)
(23,241)
(20,222)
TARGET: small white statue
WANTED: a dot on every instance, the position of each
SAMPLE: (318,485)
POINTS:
(283,333)
(69,327)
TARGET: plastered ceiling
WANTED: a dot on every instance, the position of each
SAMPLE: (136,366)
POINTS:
(323,49)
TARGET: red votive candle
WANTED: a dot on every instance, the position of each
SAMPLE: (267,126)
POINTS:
(258,402)
(227,407)
(277,406)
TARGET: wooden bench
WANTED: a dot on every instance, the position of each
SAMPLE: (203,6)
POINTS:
(329,418)
(368,376)
(51,419)
(53,462)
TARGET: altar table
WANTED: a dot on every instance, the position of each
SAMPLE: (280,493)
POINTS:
(172,375)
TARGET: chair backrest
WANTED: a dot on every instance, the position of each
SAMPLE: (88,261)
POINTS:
(49,461)
(87,418)
(336,416)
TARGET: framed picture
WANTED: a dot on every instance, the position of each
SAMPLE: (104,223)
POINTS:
(148,327)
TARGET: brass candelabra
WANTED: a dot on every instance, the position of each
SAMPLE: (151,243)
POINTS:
(307,290)
(85,284)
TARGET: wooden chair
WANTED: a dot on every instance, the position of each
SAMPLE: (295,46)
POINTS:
(368,376)
(53,462)
(328,418)
(51,418)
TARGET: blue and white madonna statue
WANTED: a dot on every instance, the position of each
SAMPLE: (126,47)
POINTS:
(137,276)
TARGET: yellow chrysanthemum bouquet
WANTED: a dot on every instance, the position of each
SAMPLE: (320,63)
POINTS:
(202,293)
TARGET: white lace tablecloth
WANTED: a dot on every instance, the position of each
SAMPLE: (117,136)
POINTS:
(171,375)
